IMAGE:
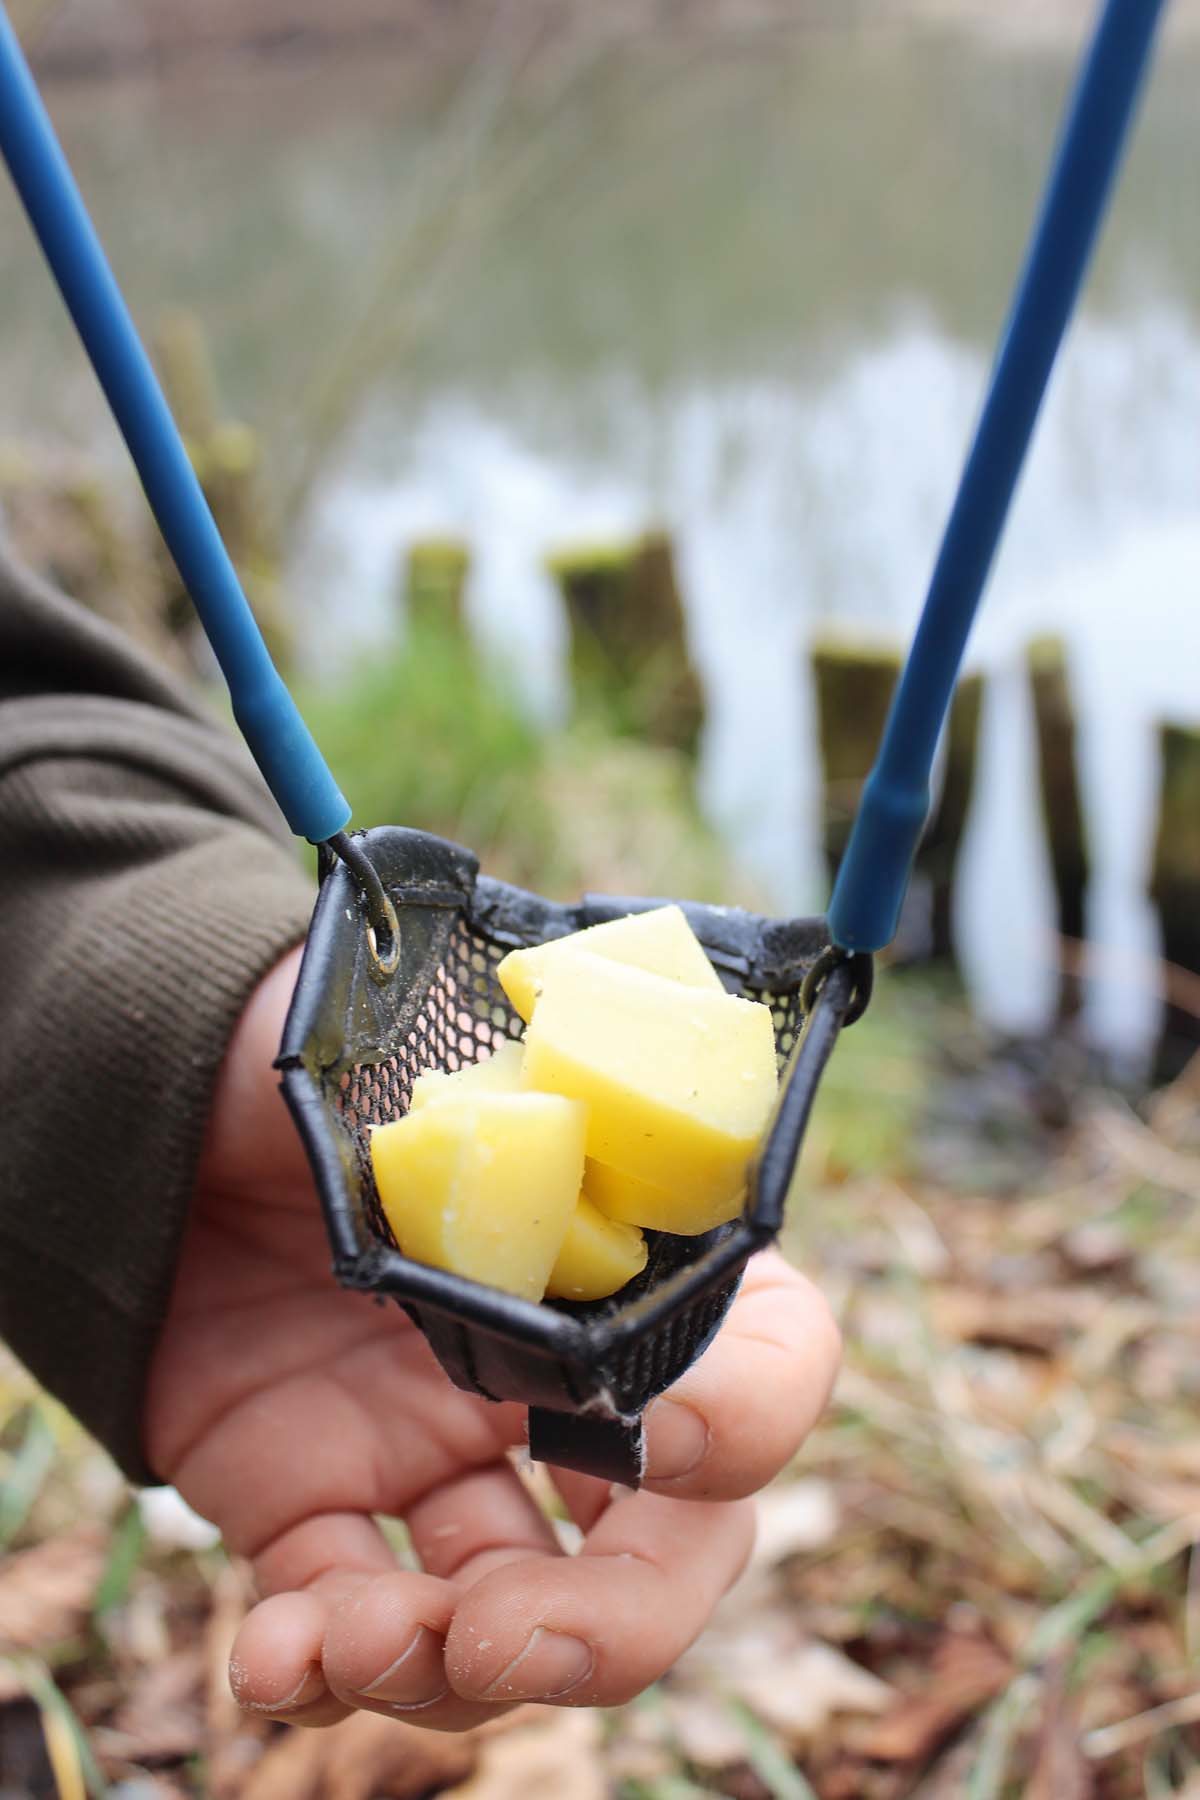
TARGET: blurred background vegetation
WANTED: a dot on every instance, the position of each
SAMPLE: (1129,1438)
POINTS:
(580,391)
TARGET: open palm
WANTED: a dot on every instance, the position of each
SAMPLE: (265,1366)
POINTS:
(292,1414)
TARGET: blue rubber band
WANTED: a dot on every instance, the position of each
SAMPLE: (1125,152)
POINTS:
(873,876)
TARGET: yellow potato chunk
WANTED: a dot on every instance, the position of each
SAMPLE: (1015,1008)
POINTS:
(484,1185)
(598,1256)
(624,1197)
(661,942)
(678,1082)
(499,1073)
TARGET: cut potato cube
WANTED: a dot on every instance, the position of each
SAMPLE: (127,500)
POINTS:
(624,1197)
(484,1185)
(598,1256)
(661,942)
(499,1073)
(678,1082)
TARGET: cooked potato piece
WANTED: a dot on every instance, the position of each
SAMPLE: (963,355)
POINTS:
(598,1256)
(484,1185)
(661,942)
(654,1208)
(678,1082)
(499,1073)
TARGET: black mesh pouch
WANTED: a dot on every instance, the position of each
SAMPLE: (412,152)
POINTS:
(359,1032)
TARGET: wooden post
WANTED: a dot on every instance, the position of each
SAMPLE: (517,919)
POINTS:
(629,652)
(185,366)
(227,458)
(1175,889)
(435,579)
(854,685)
(937,858)
(1062,807)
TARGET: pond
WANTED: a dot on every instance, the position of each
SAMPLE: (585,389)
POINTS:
(744,284)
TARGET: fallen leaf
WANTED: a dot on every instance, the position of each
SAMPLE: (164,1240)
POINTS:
(234,1739)
(163,1716)
(793,1682)
(798,1694)
(46,1593)
(792,1517)
(965,1672)
(849,1778)
(1097,1246)
(742,1783)
(1034,1320)
(560,1758)
(368,1757)
(706,1732)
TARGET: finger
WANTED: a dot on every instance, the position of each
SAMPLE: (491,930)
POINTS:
(275,1664)
(595,1629)
(743,1410)
(476,1522)
(384,1645)
(384,1651)
(342,1543)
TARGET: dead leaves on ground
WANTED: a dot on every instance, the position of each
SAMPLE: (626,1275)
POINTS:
(986,1581)
(46,1594)
(366,1755)
(531,1755)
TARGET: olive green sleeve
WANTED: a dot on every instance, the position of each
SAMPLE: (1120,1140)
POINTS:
(146,886)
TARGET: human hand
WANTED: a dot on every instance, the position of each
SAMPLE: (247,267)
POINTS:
(292,1413)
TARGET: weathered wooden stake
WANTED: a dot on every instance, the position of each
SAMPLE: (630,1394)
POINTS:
(1175,887)
(629,649)
(435,579)
(937,858)
(854,685)
(227,457)
(1062,807)
(185,366)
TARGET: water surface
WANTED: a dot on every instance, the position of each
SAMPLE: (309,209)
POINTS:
(745,287)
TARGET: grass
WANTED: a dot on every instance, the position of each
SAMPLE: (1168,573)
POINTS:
(427,735)
(431,734)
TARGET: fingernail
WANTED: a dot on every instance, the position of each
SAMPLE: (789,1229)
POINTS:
(677,1440)
(416,1678)
(311,1686)
(550,1665)
(417,1706)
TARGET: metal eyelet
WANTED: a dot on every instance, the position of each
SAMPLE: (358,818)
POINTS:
(862,966)
(383,927)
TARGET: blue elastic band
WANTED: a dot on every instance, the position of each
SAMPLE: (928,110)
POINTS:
(874,872)
(278,737)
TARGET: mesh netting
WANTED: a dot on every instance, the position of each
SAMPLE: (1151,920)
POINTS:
(463,1016)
